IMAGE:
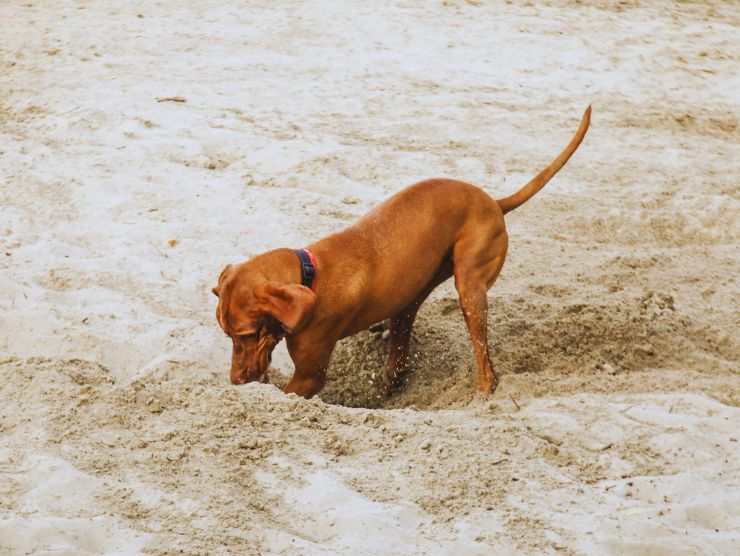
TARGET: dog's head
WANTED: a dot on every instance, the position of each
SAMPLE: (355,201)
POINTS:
(256,314)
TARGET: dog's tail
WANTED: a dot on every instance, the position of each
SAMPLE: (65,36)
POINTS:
(511,202)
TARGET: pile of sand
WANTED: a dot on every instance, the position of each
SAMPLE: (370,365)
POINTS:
(533,336)
(180,462)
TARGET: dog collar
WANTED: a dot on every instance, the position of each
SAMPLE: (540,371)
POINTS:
(308,267)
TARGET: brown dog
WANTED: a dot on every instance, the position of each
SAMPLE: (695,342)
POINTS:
(382,267)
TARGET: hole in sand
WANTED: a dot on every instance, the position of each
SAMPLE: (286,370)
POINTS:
(526,337)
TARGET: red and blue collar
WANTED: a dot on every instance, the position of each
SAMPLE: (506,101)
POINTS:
(308,268)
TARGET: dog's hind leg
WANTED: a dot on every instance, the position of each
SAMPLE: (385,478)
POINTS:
(478,261)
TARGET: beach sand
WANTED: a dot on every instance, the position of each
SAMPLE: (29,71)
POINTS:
(616,427)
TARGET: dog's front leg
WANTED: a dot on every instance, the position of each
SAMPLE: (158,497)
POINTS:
(310,360)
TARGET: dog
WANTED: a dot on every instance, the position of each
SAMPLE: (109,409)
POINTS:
(382,267)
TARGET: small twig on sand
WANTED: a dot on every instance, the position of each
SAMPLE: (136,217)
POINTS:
(171,99)
(518,408)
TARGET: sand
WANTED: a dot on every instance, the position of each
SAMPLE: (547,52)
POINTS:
(616,427)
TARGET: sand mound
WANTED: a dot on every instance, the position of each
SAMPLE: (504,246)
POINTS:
(180,462)
(530,336)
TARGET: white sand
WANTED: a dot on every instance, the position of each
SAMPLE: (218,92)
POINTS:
(614,320)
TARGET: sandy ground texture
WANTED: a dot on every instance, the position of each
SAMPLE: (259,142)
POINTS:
(616,428)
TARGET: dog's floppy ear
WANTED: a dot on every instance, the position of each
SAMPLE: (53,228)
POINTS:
(217,290)
(290,304)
